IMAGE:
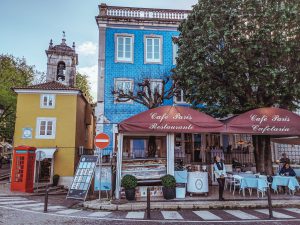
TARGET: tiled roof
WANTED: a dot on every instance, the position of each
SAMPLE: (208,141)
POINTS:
(52,85)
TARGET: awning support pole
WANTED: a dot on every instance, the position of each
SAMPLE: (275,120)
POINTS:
(119,166)
(170,154)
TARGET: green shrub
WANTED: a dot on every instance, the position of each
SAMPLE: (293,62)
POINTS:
(168,181)
(129,182)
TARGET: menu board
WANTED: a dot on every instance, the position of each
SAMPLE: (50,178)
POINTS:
(83,177)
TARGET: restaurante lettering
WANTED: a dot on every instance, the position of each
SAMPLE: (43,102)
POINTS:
(170,127)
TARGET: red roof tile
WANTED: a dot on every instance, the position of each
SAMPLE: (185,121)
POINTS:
(52,85)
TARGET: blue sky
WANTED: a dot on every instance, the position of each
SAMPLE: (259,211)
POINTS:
(26,27)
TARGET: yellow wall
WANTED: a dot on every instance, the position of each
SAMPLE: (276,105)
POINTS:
(28,109)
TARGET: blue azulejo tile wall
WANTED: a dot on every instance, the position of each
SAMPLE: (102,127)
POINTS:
(136,70)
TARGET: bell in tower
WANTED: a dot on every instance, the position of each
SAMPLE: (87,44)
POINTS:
(62,61)
(61,67)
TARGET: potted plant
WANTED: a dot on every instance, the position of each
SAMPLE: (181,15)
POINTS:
(169,183)
(129,182)
(55,179)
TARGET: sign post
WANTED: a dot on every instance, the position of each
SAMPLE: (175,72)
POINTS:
(101,142)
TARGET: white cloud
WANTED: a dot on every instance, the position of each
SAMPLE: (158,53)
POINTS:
(92,73)
(87,48)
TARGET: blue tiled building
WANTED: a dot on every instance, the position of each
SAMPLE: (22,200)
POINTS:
(134,44)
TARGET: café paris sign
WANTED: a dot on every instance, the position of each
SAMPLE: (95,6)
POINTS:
(160,121)
(263,123)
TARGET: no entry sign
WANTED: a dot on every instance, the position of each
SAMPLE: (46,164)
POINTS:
(102,140)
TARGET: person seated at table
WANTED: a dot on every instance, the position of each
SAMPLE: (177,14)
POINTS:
(284,159)
(287,170)
(220,173)
(236,163)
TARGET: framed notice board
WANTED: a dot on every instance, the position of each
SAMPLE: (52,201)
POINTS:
(106,175)
(83,177)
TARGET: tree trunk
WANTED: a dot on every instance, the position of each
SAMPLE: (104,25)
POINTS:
(268,156)
(262,154)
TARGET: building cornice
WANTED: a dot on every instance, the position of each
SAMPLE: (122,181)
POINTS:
(117,15)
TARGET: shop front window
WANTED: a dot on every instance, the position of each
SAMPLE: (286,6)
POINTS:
(144,147)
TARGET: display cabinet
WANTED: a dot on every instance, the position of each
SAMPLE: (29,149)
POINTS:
(145,169)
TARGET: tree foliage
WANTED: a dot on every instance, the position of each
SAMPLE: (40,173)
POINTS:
(238,55)
(13,72)
(83,84)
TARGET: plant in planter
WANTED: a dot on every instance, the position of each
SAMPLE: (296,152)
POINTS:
(129,182)
(169,183)
(55,179)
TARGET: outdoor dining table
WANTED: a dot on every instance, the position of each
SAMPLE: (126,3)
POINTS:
(291,182)
(251,181)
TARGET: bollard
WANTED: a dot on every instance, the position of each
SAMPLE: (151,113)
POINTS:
(270,179)
(148,203)
(46,200)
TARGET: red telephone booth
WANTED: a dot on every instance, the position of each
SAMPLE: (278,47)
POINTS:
(23,169)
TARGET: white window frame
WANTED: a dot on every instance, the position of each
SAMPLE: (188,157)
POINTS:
(152,60)
(152,81)
(38,126)
(47,105)
(116,80)
(124,59)
(175,52)
(181,98)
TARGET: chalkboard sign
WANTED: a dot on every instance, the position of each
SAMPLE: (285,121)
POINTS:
(83,177)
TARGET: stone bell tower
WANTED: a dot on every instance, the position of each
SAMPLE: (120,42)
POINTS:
(61,64)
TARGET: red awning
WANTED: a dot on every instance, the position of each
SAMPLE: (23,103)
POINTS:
(265,121)
(171,119)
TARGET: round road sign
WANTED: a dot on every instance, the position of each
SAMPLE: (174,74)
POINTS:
(102,140)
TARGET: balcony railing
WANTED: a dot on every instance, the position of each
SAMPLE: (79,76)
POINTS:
(142,13)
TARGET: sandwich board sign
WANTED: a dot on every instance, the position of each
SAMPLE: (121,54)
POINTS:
(83,177)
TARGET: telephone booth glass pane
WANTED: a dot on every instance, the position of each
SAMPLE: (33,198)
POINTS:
(19,169)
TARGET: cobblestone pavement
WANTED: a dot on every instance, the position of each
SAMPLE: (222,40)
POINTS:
(21,210)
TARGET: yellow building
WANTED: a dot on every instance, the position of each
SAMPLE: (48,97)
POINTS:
(55,117)
(58,121)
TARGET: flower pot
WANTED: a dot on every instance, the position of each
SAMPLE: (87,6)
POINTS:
(130,194)
(169,193)
(55,180)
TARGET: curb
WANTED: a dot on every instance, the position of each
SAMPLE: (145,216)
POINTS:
(188,205)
